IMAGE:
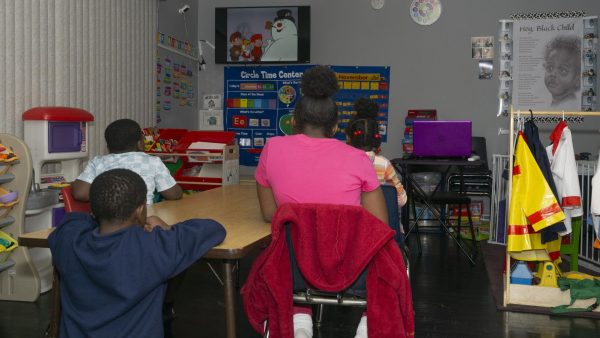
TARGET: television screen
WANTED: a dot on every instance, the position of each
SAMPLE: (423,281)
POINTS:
(262,34)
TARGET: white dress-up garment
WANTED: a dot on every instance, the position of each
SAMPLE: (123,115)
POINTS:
(564,170)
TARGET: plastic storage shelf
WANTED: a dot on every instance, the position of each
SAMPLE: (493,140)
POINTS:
(201,160)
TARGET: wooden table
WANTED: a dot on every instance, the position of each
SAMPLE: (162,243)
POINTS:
(235,207)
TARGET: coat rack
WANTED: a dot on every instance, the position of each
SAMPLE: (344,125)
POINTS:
(533,295)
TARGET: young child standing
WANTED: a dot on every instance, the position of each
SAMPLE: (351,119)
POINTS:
(114,266)
(363,133)
(125,142)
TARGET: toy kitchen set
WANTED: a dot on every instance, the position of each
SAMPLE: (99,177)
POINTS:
(57,138)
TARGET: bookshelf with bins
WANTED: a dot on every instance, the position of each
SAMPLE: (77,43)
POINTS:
(427,180)
(198,160)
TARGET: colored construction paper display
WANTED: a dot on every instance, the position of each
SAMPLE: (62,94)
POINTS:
(174,85)
(259,101)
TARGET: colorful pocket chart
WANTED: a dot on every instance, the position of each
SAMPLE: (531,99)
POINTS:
(252,103)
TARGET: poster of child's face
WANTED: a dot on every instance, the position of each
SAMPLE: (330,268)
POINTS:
(562,66)
(547,64)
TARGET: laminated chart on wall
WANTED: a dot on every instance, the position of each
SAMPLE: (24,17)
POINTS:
(174,74)
(259,101)
(174,85)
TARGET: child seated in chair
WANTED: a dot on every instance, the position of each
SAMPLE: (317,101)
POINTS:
(125,142)
(313,167)
(363,133)
(114,265)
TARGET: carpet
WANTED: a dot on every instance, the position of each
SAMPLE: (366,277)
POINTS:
(493,257)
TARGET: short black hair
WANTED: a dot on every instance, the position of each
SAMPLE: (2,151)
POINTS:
(316,107)
(116,193)
(123,135)
(569,43)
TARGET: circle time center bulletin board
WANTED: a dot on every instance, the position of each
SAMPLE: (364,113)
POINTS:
(260,100)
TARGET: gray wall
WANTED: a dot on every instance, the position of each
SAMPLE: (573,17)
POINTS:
(184,28)
(431,66)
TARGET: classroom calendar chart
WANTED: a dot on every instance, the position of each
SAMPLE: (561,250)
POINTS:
(259,101)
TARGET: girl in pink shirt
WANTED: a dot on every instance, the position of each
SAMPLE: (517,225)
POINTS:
(312,167)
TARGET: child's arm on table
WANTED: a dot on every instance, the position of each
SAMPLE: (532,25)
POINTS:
(185,243)
(173,193)
(155,221)
(165,183)
(266,201)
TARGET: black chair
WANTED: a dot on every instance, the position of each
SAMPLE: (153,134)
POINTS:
(391,202)
(356,294)
(478,178)
(438,202)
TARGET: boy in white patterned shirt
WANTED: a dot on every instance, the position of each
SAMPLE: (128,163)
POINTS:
(125,141)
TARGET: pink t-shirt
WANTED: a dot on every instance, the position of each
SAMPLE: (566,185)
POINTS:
(302,169)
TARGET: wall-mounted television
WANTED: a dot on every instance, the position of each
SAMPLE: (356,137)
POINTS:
(276,34)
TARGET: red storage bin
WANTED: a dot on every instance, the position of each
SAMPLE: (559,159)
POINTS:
(155,141)
(211,159)
(160,137)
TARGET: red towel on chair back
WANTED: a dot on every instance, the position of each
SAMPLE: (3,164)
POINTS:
(333,245)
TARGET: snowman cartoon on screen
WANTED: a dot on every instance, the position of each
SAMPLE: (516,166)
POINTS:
(284,45)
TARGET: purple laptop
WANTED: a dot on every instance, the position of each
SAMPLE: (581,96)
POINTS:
(442,138)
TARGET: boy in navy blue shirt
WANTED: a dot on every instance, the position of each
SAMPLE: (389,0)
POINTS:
(113,265)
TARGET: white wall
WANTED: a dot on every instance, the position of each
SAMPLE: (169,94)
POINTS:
(89,54)
(431,66)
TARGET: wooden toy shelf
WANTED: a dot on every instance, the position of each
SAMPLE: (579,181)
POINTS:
(19,278)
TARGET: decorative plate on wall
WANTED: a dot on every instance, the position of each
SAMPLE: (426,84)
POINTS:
(377,4)
(425,12)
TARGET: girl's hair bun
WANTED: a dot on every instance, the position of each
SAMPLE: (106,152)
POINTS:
(319,82)
(366,108)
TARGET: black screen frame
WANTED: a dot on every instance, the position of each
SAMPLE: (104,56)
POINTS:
(303,27)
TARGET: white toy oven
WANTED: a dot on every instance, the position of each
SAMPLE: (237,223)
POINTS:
(56,135)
